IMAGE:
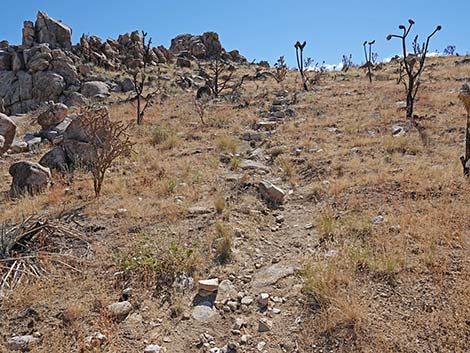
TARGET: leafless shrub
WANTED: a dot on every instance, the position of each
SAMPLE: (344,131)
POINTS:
(220,76)
(281,69)
(109,140)
(412,65)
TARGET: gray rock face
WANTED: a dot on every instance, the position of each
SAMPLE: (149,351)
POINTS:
(28,177)
(55,114)
(94,89)
(55,33)
(7,132)
(5,60)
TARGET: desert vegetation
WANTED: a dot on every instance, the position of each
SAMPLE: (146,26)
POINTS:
(238,207)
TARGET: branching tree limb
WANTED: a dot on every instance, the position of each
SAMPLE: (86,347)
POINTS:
(413,64)
(369,59)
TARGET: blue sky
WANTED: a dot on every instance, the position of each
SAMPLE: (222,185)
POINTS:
(260,29)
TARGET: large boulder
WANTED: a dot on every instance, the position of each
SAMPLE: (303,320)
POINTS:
(55,159)
(7,132)
(53,32)
(53,115)
(95,89)
(28,177)
(63,65)
(47,86)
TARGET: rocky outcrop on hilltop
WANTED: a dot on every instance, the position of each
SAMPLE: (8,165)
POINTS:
(205,46)
(47,67)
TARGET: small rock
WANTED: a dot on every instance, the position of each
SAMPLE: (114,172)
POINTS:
(247,300)
(264,325)
(239,323)
(378,219)
(271,192)
(245,339)
(120,310)
(22,343)
(152,348)
(263,299)
(209,285)
(276,311)
(203,313)
(260,346)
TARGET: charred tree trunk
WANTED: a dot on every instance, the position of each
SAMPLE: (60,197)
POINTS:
(466,159)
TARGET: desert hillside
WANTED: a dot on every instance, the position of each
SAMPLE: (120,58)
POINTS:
(267,219)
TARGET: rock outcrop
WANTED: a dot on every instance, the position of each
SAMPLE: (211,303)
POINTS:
(47,67)
(205,46)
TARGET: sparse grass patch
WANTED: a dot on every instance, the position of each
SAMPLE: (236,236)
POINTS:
(227,144)
(223,242)
(403,145)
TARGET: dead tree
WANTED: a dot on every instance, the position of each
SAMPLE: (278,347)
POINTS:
(465,98)
(347,62)
(220,76)
(413,64)
(299,53)
(140,77)
(281,69)
(369,59)
(109,140)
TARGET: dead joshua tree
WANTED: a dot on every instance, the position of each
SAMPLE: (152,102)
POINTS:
(347,62)
(413,65)
(109,140)
(140,78)
(465,98)
(219,76)
(299,53)
(369,59)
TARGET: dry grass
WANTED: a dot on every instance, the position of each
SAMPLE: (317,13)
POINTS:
(400,285)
